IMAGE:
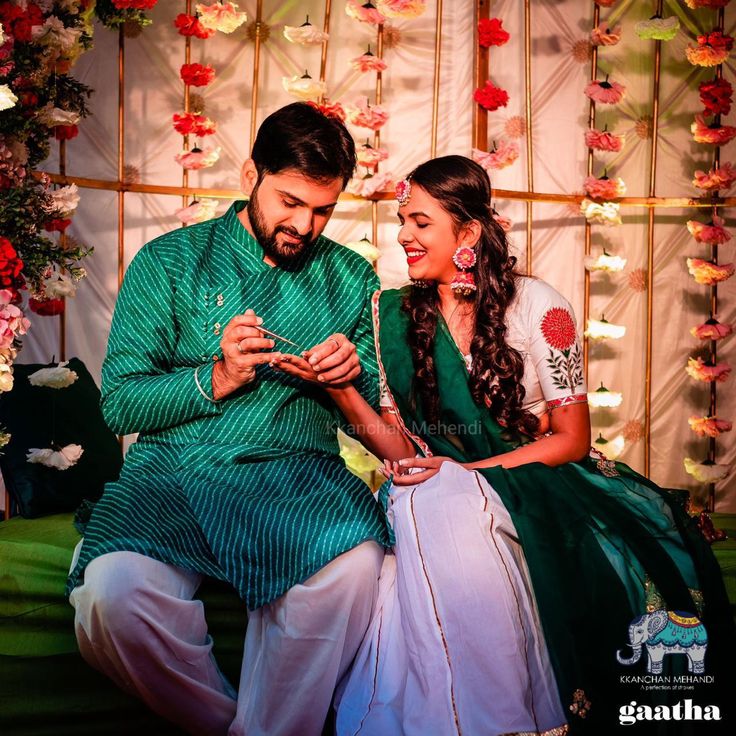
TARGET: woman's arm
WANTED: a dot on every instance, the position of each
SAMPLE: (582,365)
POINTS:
(569,441)
(381,434)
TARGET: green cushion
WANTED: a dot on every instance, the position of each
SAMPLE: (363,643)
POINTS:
(41,417)
(725,553)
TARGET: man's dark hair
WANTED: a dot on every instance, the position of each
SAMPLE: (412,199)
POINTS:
(302,138)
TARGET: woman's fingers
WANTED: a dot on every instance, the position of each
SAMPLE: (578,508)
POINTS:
(413,479)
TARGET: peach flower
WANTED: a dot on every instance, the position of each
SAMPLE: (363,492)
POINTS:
(709,426)
(602,140)
(721,177)
(369,185)
(370,157)
(504,154)
(401,8)
(698,370)
(707,272)
(200,210)
(504,223)
(606,93)
(368,62)
(222,17)
(198,158)
(364,12)
(716,134)
(711,234)
(711,330)
(365,116)
(605,36)
(604,188)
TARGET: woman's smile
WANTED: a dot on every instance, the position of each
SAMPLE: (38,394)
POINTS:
(414,254)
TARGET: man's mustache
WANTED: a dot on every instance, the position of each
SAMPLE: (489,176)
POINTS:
(291,232)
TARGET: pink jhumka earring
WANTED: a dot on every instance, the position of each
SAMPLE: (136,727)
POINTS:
(463,284)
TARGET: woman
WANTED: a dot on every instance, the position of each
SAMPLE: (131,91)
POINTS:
(520,558)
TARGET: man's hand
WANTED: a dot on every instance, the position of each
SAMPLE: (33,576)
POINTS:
(241,347)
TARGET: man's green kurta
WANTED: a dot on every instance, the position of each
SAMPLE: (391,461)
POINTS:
(252,489)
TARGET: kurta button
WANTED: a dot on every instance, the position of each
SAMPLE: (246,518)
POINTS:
(215,357)
(217,328)
(220,300)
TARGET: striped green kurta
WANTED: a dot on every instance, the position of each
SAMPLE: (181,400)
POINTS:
(252,489)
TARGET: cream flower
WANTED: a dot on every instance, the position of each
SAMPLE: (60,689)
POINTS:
(6,377)
(54,34)
(200,210)
(401,8)
(605,36)
(365,248)
(610,449)
(659,29)
(57,377)
(8,355)
(220,16)
(604,213)
(59,285)
(7,98)
(62,459)
(198,158)
(504,154)
(605,262)
(2,35)
(52,116)
(604,330)
(65,199)
(304,87)
(369,185)
(706,472)
(602,397)
(305,34)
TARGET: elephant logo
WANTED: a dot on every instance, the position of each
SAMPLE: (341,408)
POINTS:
(667,632)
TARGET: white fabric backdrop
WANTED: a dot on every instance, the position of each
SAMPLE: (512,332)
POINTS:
(559,74)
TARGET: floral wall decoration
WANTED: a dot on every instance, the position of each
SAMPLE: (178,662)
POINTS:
(711,50)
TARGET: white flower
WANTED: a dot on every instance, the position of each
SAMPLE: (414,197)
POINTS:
(604,213)
(6,377)
(602,397)
(369,185)
(706,472)
(304,88)
(605,262)
(365,248)
(65,200)
(53,116)
(2,35)
(8,355)
(55,34)
(200,210)
(61,460)
(57,377)
(59,285)
(306,34)
(604,330)
(7,98)
(4,436)
(610,449)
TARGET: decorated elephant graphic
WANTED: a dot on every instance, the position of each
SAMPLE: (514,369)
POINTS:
(667,632)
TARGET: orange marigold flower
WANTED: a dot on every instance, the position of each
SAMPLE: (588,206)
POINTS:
(709,273)
(709,426)
(700,371)
(713,133)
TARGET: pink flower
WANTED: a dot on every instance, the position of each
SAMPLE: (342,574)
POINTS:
(714,133)
(370,157)
(369,185)
(504,223)
(700,371)
(607,93)
(605,36)
(464,257)
(721,177)
(711,330)
(709,426)
(709,273)
(12,321)
(602,140)
(198,158)
(604,188)
(364,12)
(504,154)
(368,63)
(329,109)
(712,234)
(365,116)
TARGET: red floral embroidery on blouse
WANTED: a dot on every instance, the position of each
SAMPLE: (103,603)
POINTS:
(558,328)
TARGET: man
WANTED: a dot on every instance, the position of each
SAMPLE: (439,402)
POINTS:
(236,473)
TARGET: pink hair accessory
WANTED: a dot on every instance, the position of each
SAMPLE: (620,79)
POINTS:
(403,192)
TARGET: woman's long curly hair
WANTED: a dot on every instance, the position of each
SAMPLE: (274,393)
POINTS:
(463,190)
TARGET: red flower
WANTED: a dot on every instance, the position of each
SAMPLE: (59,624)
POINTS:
(189,25)
(189,123)
(491,97)
(18,23)
(716,96)
(134,4)
(28,98)
(716,40)
(197,75)
(57,225)
(10,265)
(558,328)
(65,132)
(47,307)
(491,32)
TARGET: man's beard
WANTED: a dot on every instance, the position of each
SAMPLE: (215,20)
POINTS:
(284,254)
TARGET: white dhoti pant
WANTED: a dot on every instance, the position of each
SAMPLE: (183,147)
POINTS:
(137,623)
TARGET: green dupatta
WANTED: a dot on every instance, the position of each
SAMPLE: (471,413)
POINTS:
(580,525)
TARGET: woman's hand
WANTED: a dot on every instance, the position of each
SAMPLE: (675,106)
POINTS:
(332,363)
(295,366)
(400,470)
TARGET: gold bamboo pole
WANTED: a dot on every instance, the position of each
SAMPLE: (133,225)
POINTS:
(480,74)
(187,60)
(377,135)
(588,231)
(650,253)
(436,86)
(256,72)
(62,239)
(529,158)
(326,29)
(121,156)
